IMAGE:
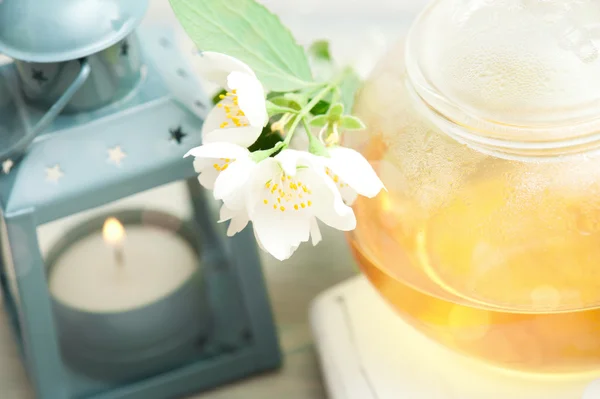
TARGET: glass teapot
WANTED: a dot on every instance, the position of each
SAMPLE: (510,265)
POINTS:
(484,124)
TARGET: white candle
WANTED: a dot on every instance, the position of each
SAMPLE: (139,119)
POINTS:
(155,263)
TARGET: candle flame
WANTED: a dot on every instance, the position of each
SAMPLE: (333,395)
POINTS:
(113,231)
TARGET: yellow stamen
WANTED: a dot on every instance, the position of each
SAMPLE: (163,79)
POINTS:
(224,124)
(282,208)
(309,203)
(222,96)
(302,205)
(296,207)
(274,206)
(265,202)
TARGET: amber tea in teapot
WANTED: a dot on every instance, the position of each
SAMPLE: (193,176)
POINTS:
(484,124)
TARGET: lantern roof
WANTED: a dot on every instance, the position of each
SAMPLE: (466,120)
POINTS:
(61,30)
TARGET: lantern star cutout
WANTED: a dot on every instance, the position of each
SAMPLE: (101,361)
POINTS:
(177,134)
(125,49)
(116,155)
(54,174)
(38,76)
(8,164)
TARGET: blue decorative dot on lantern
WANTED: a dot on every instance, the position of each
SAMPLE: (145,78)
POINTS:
(116,279)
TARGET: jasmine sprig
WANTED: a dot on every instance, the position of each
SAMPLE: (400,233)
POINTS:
(271,86)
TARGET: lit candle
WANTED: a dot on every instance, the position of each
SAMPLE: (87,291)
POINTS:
(113,233)
(121,289)
(104,273)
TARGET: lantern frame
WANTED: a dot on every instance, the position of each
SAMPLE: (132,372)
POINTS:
(167,99)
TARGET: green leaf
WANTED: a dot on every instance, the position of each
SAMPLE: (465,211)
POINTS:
(348,88)
(261,155)
(320,50)
(321,61)
(321,108)
(335,112)
(319,121)
(290,100)
(267,139)
(297,98)
(350,122)
(272,94)
(246,30)
(275,109)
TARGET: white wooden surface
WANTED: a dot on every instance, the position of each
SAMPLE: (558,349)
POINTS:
(368,352)
(360,35)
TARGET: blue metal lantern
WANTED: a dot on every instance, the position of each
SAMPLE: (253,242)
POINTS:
(118,282)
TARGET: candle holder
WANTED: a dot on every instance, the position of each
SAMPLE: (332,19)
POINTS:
(89,125)
(115,344)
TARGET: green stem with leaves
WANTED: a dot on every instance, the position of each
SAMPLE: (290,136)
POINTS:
(305,111)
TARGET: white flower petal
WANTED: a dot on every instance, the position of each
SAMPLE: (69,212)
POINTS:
(251,97)
(315,232)
(263,172)
(226,214)
(212,132)
(208,177)
(202,163)
(213,120)
(216,67)
(291,159)
(239,220)
(280,232)
(218,150)
(257,238)
(328,204)
(237,224)
(349,195)
(355,171)
(230,183)
(243,136)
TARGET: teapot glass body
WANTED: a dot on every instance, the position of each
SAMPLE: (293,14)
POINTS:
(488,238)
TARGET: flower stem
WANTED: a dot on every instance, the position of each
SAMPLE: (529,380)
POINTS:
(305,111)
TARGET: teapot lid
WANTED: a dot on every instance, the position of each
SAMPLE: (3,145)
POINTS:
(62,30)
(531,63)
